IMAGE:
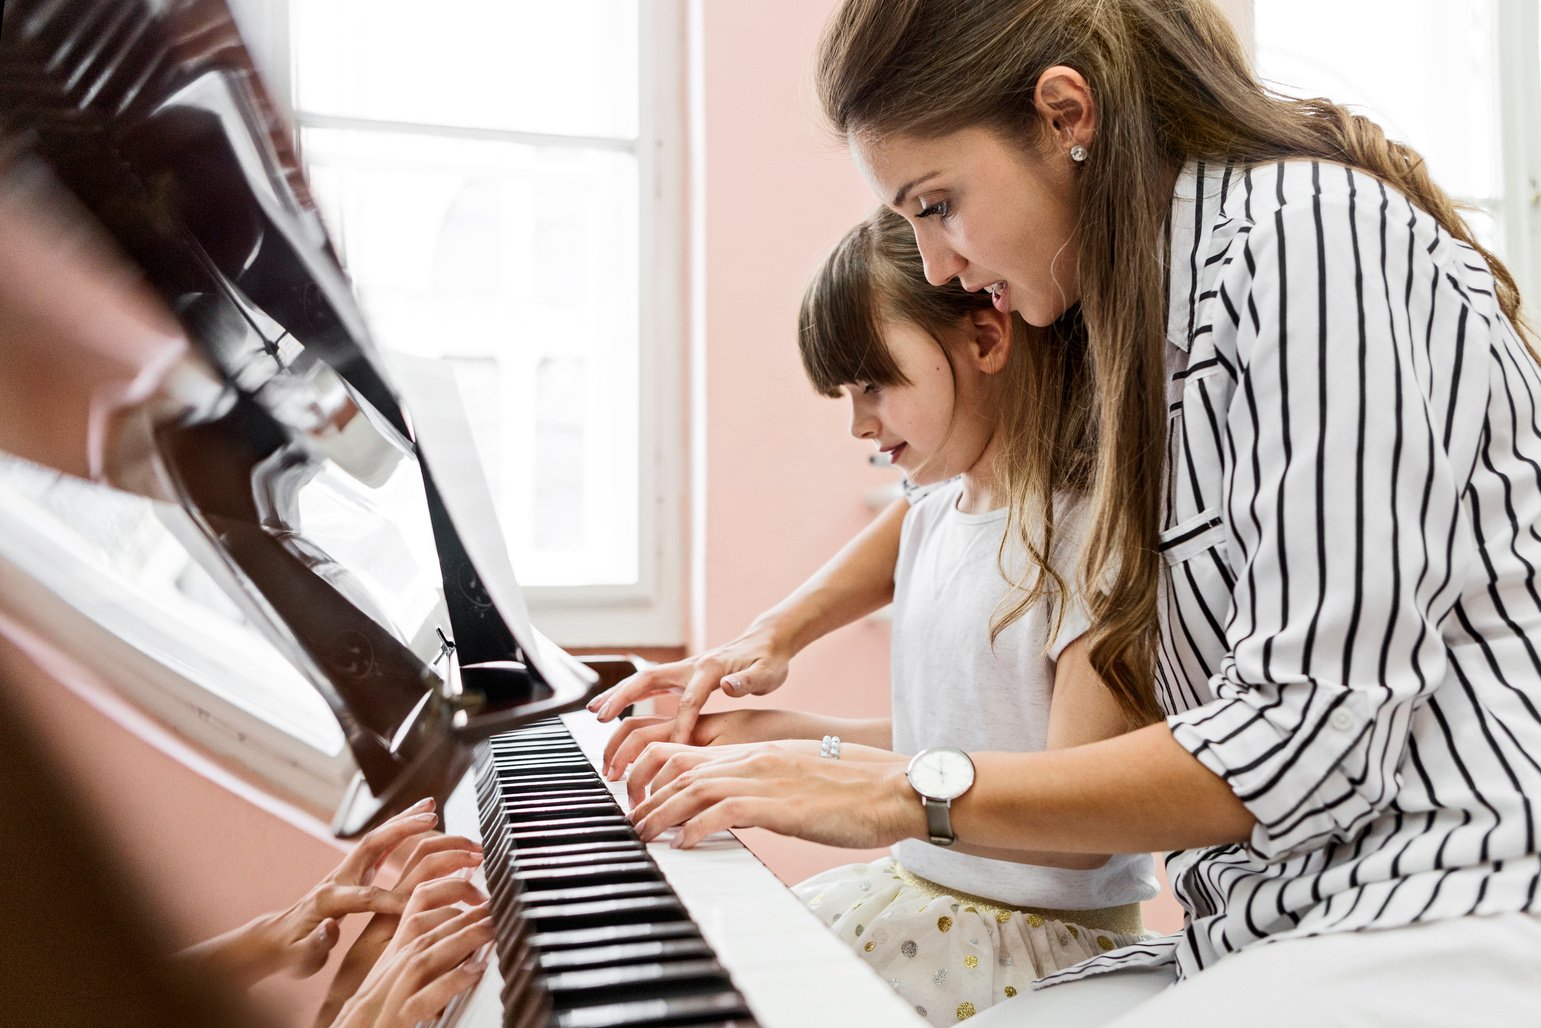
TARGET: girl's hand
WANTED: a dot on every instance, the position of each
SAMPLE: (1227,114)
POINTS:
(785,787)
(753,664)
(635,734)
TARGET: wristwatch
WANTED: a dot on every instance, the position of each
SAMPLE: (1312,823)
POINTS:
(940,775)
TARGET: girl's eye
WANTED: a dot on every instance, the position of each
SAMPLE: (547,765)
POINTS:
(870,388)
(941,207)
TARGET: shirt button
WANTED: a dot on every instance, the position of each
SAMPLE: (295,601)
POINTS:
(1343,720)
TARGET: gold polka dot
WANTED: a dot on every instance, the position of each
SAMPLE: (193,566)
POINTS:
(1104,943)
(944,923)
(1033,920)
(971,910)
(965,1010)
(971,961)
(1002,916)
(870,946)
(1075,933)
(1011,990)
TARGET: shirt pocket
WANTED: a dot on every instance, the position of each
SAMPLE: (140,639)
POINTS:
(1189,538)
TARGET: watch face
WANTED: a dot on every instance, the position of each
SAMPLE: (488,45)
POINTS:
(941,774)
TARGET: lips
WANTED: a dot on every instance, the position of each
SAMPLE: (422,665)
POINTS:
(893,452)
(1000,295)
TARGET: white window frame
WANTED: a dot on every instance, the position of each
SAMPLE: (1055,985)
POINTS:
(651,611)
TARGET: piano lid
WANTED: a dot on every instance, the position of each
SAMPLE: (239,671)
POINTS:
(306,481)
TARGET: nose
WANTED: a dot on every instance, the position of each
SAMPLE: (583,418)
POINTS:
(863,424)
(941,263)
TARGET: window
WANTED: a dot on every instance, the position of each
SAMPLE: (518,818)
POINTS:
(501,179)
(1455,79)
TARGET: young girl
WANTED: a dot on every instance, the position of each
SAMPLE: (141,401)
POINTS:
(928,373)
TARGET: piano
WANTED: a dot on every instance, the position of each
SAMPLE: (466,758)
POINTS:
(147,119)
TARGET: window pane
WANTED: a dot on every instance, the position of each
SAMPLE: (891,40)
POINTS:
(1423,69)
(568,68)
(518,264)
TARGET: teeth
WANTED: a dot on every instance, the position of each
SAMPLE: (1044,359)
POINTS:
(995,288)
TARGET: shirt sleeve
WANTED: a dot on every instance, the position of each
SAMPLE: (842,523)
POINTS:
(1352,431)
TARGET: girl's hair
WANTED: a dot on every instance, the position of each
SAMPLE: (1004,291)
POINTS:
(875,276)
(1171,82)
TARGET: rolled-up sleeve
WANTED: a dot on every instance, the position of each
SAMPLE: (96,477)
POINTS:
(1347,462)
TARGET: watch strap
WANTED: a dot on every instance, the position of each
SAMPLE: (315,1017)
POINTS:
(939,821)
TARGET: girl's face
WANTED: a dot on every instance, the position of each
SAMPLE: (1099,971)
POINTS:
(939,424)
(987,211)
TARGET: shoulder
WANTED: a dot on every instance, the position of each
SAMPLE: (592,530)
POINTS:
(930,504)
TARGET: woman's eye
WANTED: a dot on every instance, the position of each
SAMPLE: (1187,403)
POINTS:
(941,207)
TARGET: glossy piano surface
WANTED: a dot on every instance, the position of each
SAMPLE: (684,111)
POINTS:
(790,969)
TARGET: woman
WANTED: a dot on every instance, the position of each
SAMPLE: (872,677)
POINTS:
(1316,495)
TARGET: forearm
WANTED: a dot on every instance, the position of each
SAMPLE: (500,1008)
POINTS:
(242,956)
(857,581)
(1132,794)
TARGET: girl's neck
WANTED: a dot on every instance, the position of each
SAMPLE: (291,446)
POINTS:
(979,482)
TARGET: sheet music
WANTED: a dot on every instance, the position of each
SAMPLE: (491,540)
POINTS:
(437,410)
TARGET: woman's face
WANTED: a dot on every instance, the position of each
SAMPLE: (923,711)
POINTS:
(987,210)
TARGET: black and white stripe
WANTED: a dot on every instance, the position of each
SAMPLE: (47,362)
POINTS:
(1351,623)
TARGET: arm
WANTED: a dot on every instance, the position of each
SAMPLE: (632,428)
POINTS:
(736,727)
(1081,711)
(1135,793)
(856,582)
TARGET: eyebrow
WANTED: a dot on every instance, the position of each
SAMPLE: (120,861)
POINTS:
(904,190)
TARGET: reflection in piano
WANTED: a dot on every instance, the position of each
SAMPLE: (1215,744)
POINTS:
(147,116)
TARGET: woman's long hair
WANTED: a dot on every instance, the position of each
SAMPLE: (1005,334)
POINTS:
(1171,82)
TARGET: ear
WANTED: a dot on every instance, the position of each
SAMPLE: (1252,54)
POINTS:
(989,339)
(1064,101)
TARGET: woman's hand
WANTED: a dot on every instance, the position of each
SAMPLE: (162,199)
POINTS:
(730,727)
(428,961)
(785,787)
(753,664)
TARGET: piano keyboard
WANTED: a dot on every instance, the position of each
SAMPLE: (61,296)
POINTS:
(596,929)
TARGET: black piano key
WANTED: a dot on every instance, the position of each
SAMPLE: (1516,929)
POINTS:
(590,915)
(536,901)
(611,934)
(651,951)
(644,1013)
(582,874)
(607,984)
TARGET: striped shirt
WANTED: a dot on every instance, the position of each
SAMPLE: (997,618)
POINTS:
(1350,617)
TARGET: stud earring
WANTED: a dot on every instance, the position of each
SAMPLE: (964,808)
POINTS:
(1078,153)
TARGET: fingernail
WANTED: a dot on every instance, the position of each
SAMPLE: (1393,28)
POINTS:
(427,819)
(425,801)
(475,966)
(465,873)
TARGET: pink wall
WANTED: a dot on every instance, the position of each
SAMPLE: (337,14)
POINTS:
(784,479)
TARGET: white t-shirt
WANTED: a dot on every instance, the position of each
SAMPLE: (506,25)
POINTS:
(951,687)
